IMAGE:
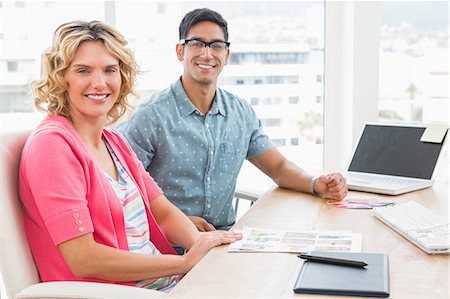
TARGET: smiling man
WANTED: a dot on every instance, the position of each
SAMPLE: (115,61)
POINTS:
(194,136)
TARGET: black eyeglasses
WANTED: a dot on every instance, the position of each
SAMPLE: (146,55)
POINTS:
(198,46)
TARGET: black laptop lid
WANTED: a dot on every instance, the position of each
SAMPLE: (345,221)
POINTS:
(395,150)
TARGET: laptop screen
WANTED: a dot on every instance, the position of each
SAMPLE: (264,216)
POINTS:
(395,150)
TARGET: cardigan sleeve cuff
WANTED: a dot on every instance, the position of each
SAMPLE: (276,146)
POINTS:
(69,225)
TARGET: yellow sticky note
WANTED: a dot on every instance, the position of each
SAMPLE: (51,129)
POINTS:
(434,133)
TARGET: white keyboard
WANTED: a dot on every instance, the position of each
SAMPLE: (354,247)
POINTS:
(424,228)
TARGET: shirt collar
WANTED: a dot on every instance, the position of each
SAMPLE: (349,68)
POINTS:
(218,105)
(186,107)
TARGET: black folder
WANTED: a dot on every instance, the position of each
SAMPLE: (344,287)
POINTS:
(370,281)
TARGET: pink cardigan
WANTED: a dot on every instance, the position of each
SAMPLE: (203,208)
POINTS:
(66,195)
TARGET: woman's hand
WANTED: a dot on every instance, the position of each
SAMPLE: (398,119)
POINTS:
(207,241)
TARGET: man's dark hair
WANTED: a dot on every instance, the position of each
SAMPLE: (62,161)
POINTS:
(201,15)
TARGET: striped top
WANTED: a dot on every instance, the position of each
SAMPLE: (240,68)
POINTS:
(136,224)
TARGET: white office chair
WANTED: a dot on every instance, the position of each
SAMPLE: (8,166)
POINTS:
(18,270)
(240,193)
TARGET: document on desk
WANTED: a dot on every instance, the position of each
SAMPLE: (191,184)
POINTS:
(268,240)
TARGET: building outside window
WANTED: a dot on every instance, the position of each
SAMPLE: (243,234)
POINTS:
(414,61)
(27,30)
(276,53)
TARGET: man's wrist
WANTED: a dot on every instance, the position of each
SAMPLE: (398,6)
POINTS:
(312,184)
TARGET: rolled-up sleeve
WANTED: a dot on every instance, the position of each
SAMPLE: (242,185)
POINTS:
(259,141)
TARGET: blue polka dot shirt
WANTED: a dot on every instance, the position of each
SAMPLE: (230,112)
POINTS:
(195,158)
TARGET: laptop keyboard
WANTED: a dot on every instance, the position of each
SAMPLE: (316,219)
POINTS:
(421,226)
(385,180)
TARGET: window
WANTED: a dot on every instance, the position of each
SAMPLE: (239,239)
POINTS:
(319,78)
(161,8)
(49,4)
(414,65)
(20,4)
(274,61)
(24,37)
(358,73)
(293,100)
(12,66)
(268,58)
(272,122)
(256,80)
(279,142)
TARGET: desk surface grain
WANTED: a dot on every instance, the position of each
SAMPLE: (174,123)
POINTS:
(413,273)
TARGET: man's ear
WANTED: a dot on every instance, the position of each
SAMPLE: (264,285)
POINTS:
(227,56)
(180,52)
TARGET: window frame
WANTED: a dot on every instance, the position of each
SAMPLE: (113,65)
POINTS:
(352,42)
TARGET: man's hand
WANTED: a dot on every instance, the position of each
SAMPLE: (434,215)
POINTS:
(332,186)
(201,224)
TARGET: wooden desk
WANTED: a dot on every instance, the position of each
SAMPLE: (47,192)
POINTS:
(413,274)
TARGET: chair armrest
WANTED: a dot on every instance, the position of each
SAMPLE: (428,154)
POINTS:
(85,290)
(244,194)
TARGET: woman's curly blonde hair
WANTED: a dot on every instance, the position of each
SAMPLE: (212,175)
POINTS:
(51,90)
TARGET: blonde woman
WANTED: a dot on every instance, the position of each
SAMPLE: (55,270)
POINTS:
(91,211)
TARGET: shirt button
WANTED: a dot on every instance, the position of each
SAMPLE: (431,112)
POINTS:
(211,152)
(208,178)
(81,229)
(78,222)
(76,215)
(207,125)
(208,206)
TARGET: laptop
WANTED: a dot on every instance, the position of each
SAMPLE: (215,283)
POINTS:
(390,159)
